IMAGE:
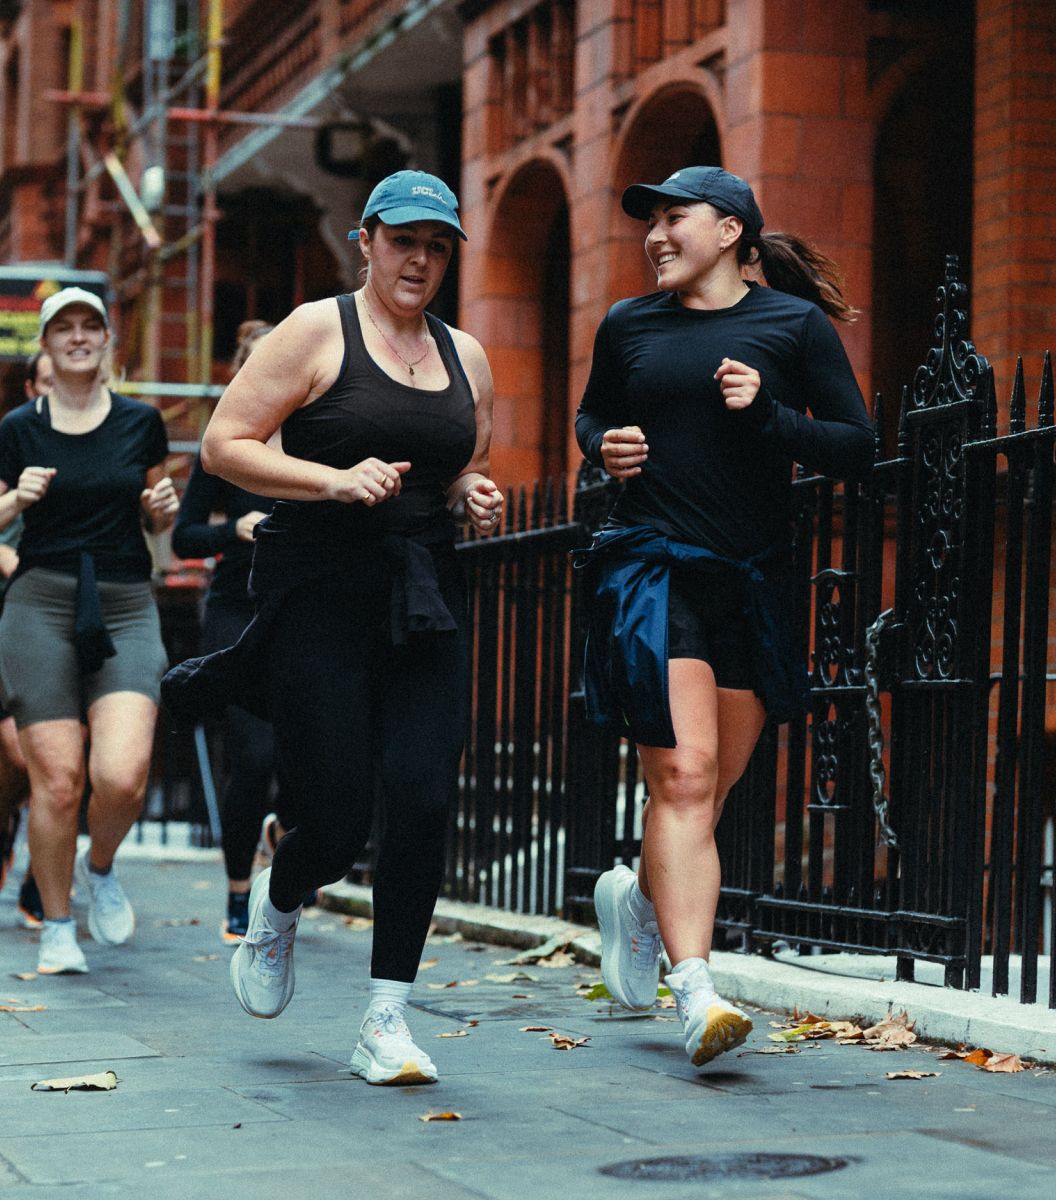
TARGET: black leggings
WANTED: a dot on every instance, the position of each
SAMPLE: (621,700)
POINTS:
(348,708)
(249,754)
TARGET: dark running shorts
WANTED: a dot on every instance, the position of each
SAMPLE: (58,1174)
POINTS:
(705,621)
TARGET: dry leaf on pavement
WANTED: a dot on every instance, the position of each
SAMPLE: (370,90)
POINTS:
(454,1033)
(440,1116)
(978,1058)
(104,1082)
(172,922)
(912,1074)
(563,1042)
(205,958)
(1006,1063)
(512,977)
(536,1029)
(357,922)
(25,976)
(23,1008)
(427,964)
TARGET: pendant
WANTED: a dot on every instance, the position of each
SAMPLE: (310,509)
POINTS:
(411,369)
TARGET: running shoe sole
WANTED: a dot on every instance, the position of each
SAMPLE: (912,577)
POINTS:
(724,1031)
(28,920)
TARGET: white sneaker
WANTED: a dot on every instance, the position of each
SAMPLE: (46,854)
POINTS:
(711,1025)
(262,966)
(386,1053)
(110,916)
(59,953)
(630,950)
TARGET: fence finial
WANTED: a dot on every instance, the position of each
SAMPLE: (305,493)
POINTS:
(1017,408)
(1045,396)
(952,371)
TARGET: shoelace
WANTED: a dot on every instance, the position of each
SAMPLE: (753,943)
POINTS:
(271,949)
(645,947)
(389,1022)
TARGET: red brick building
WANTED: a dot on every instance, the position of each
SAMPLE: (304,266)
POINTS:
(888,132)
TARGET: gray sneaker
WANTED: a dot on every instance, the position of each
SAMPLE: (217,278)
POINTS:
(262,966)
(59,953)
(110,916)
(386,1053)
(630,950)
(711,1025)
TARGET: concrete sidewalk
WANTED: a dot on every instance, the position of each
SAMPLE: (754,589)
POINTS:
(212,1105)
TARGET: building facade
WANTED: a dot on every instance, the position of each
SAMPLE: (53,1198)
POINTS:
(890,133)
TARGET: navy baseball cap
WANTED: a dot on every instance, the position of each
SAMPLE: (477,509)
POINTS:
(408,196)
(726,192)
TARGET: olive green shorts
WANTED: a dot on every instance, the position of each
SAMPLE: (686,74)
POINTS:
(39,676)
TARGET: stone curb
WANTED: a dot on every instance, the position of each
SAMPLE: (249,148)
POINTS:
(939,1014)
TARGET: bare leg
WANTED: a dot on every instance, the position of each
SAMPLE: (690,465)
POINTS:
(122,735)
(716,730)
(54,754)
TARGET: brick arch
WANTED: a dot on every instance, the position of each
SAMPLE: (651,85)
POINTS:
(675,126)
(526,285)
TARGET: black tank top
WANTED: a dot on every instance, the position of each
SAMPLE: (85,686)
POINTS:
(366,413)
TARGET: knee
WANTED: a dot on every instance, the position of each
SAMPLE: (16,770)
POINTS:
(121,788)
(686,783)
(59,792)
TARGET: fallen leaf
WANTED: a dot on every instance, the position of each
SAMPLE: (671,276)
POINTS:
(563,1042)
(357,922)
(444,939)
(791,1035)
(173,921)
(205,958)
(511,978)
(455,1033)
(597,992)
(554,945)
(561,958)
(912,1074)
(472,1024)
(536,1029)
(772,1050)
(1006,1063)
(468,982)
(440,1116)
(520,996)
(954,1054)
(453,984)
(23,1008)
(201,885)
(894,1033)
(978,1058)
(428,964)
(104,1082)
(25,976)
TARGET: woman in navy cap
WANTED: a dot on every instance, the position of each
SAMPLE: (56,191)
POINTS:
(80,640)
(697,402)
(358,652)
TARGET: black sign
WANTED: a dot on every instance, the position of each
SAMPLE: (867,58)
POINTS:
(22,291)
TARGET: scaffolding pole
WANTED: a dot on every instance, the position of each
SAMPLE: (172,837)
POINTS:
(73,137)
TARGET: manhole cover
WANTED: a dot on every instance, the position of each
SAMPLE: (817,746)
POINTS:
(725,1166)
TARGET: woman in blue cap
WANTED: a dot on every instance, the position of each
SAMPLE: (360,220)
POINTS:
(697,402)
(358,653)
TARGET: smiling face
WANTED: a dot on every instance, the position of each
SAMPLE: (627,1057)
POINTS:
(688,243)
(406,263)
(75,339)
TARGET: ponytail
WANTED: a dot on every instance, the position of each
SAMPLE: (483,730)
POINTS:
(790,265)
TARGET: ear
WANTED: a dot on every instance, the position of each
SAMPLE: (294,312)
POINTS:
(732,228)
(364,243)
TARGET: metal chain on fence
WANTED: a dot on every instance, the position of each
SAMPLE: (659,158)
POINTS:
(876,733)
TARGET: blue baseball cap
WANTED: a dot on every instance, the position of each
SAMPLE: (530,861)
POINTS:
(724,191)
(408,196)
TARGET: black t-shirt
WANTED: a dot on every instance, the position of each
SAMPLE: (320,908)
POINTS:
(92,503)
(194,537)
(714,477)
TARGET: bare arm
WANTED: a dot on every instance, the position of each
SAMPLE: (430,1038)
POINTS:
(32,486)
(473,495)
(294,365)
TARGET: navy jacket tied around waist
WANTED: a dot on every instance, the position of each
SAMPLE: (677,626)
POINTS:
(625,675)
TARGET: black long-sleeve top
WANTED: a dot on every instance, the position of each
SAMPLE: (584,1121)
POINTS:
(716,477)
(194,537)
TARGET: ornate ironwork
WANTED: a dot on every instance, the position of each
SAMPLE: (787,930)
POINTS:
(953,369)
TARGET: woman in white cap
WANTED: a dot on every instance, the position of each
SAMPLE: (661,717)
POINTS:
(80,640)
(358,653)
(697,401)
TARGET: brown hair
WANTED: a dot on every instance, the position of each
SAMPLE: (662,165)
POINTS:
(249,333)
(790,265)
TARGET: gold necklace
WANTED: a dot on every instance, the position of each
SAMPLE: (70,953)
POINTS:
(409,365)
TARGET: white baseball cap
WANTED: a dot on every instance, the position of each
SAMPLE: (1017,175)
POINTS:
(51,307)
